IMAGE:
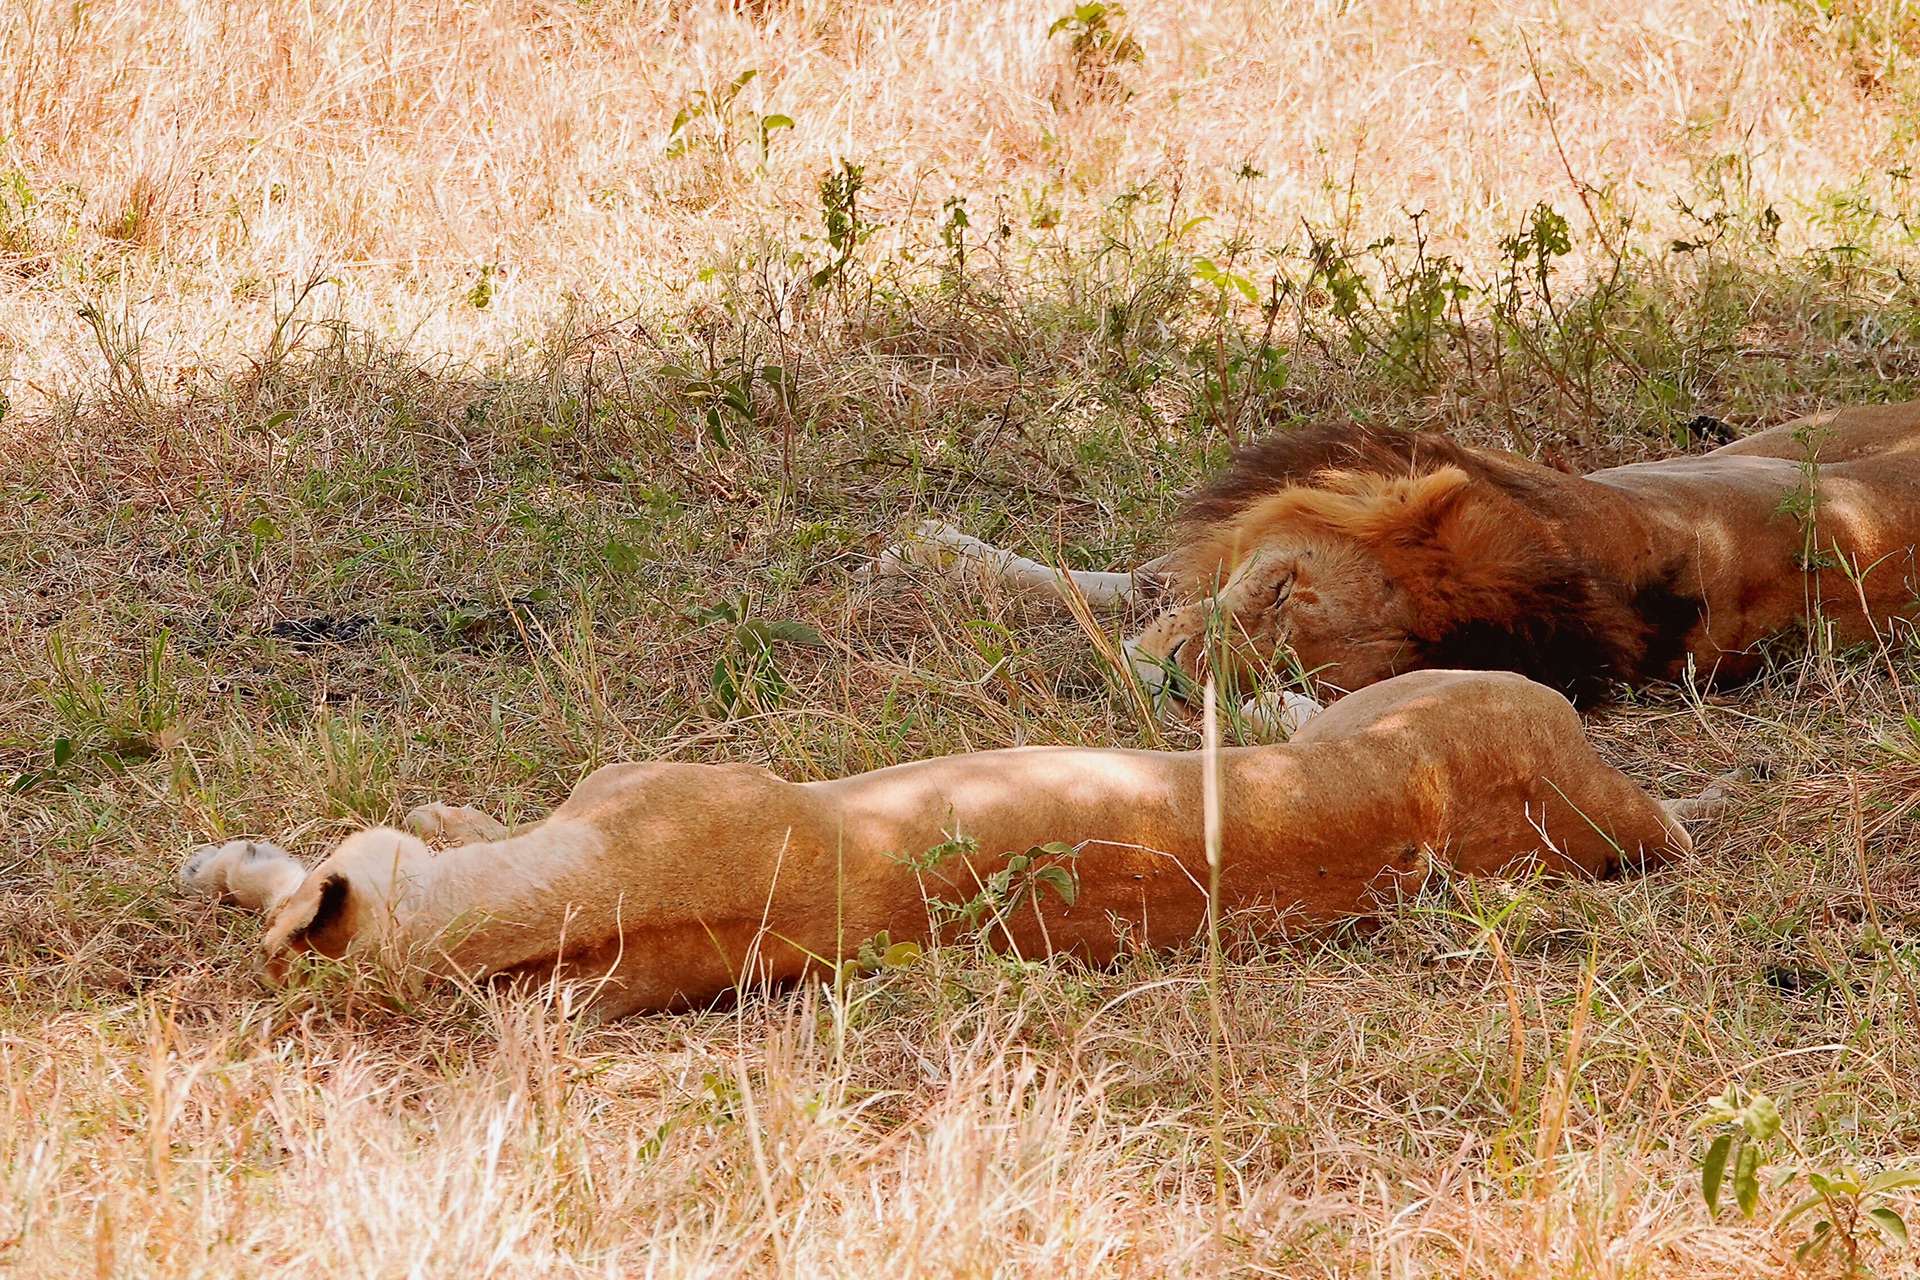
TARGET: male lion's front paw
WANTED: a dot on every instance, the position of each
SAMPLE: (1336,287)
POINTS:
(454,824)
(1718,798)
(1278,714)
(934,545)
(252,873)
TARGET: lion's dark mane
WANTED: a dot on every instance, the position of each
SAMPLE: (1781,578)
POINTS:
(1299,454)
(1558,619)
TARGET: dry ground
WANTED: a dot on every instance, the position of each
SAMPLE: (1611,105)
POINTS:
(399,408)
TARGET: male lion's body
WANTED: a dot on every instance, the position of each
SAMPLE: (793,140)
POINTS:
(669,884)
(1361,554)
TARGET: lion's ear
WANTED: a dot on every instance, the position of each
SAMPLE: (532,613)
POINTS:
(315,919)
(1412,511)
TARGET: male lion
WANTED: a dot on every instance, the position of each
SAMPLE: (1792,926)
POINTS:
(667,885)
(1355,553)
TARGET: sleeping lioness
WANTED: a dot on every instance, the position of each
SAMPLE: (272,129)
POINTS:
(667,885)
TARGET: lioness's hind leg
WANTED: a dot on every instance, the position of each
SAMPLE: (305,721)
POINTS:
(454,824)
(251,873)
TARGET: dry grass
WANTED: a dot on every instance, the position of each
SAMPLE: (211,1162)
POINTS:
(184,165)
(369,441)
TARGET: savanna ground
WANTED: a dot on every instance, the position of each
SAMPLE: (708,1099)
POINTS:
(435,400)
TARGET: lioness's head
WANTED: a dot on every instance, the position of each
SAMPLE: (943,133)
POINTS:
(1360,576)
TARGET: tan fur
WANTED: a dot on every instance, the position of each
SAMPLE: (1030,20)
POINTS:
(670,884)
(1621,576)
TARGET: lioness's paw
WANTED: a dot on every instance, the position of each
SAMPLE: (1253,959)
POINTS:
(454,824)
(1150,672)
(206,868)
(1714,802)
(251,873)
(194,872)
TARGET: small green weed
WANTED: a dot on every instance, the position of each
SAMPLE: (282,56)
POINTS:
(1025,875)
(712,119)
(1851,1207)
(746,675)
(1099,44)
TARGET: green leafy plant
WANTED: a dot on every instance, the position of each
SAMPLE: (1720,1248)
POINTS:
(747,675)
(1025,875)
(840,217)
(953,234)
(1405,321)
(879,954)
(1138,276)
(1801,504)
(622,557)
(17,199)
(1336,285)
(1223,279)
(1532,324)
(1098,41)
(720,393)
(102,728)
(1530,253)
(1232,369)
(1851,1207)
(957,845)
(1422,293)
(481,294)
(711,118)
